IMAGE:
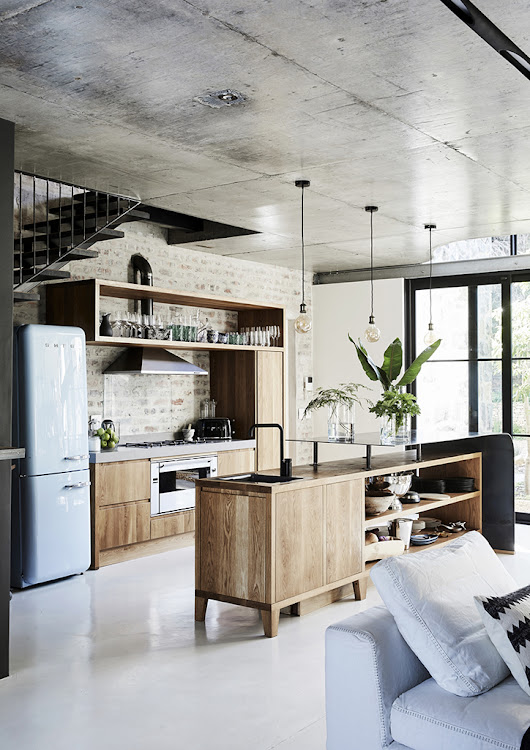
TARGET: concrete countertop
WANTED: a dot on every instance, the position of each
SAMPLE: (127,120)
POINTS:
(189,449)
(10,453)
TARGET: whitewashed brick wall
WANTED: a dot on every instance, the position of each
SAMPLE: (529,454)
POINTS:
(160,403)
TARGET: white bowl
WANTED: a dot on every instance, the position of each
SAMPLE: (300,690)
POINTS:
(375,505)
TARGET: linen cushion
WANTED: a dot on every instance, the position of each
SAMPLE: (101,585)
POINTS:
(507,622)
(431,596)
(429,718)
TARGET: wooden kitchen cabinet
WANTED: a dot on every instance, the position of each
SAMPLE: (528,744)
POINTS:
(122,482)
(235,462)
(119,525)
(249,387)
(269,407)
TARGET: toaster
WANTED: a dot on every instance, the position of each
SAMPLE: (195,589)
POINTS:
(218,428)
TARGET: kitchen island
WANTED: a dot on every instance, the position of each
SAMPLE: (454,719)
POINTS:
(298,545)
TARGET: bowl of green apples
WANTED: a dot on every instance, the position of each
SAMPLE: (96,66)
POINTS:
(109,436)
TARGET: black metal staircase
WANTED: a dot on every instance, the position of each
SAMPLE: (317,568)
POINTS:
(58,222)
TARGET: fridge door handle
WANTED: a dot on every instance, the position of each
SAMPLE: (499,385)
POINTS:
(76,458)
(76,485)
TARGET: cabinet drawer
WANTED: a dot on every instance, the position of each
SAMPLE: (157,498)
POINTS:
(124,524)
(122,482)
(170,525)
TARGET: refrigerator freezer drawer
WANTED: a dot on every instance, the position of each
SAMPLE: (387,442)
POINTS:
(53,536)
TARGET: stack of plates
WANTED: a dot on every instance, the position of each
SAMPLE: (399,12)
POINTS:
(430,523)
(459,484)
(421,539)
(424,484)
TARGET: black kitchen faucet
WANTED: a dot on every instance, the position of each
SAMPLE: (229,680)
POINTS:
(286,467)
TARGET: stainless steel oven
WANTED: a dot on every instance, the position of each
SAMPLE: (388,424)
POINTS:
(173,482)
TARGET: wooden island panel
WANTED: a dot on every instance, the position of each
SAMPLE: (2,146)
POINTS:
(233,559)
(344,529)
(299,532)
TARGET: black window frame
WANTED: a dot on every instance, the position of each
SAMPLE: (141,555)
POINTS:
(472,282)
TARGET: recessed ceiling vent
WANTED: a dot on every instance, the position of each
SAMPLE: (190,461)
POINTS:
(218,99)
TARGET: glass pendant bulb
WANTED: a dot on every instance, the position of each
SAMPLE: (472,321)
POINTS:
(431,336)
(372,332)
(303,322)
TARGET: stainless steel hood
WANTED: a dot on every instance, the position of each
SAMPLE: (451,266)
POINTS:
(144,361)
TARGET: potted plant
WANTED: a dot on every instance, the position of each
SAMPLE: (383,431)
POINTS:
(395,407)
(341,409)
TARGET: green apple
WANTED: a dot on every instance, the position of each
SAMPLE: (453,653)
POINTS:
(111,444)
(103,443)
(101,431)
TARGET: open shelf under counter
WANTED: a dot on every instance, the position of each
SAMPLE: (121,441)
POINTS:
(421,507)
(182,345)
(418,548)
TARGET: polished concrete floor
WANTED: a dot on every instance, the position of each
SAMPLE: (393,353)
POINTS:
(114,659)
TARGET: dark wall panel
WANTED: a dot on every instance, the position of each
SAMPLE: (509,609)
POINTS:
(7,141)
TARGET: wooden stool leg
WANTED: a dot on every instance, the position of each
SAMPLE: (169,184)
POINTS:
(200,608)
(359,588)
(270,622)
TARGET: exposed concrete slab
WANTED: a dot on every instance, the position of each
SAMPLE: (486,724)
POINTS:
(385,102)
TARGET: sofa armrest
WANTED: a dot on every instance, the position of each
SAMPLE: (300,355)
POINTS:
(368,665)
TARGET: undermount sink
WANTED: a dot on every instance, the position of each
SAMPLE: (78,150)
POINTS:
(266,478)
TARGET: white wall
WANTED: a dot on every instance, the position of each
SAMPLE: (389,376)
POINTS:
(339,309)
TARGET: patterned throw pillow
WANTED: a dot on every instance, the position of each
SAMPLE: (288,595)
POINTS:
(507,622)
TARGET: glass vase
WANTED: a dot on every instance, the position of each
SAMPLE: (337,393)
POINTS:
(340,423)
(394,432)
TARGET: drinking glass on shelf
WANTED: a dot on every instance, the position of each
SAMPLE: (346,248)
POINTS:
(116,324)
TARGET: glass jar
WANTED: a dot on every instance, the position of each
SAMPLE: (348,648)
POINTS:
(340,422)
(396,432)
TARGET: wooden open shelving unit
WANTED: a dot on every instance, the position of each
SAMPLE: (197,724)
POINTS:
(248,382)
(78,303)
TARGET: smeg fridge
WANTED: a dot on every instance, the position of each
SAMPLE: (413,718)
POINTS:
(51,485)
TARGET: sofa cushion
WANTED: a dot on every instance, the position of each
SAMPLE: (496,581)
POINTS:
(507,622)
(430,595)
(429,717)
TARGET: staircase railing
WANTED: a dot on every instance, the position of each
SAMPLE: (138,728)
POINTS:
(57,221)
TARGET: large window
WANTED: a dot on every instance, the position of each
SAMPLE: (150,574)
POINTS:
(479,378)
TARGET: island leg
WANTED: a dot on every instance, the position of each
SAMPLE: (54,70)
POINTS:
(359,588)
(270,621)
(200,608)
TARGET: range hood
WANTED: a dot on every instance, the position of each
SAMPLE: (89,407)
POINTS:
(144,361)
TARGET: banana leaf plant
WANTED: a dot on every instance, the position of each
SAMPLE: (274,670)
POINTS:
(393,403)
(388,373)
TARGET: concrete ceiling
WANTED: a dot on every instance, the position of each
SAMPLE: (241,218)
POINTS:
(392,102)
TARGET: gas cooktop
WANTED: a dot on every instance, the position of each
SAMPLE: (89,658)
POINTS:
(164,443)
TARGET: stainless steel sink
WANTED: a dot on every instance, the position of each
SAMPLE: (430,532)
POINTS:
(266,478)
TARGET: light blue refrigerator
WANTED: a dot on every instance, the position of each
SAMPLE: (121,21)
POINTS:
(51,485)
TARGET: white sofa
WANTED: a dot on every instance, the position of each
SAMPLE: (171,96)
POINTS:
(379,695)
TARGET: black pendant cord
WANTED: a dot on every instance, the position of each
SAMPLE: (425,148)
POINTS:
(430,227)
(430,275)
(303,184)
(303,250)
(371,264)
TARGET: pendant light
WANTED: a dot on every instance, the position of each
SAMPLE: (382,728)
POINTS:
(372,332)
(431,335)
(303,322)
